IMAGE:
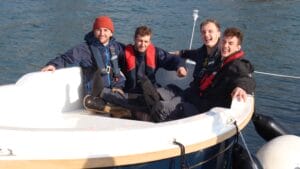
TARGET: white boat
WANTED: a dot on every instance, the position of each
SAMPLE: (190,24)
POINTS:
(43,125)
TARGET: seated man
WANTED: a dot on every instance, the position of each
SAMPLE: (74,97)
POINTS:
(97,57)
(142,59)
(232,78)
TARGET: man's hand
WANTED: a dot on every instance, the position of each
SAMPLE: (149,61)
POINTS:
(239,93)
(181,72)
(49,68)
(119,91)
(175,53)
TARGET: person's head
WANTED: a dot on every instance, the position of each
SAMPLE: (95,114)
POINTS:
(210,31)
(142,38)
(231,41)
(103,29)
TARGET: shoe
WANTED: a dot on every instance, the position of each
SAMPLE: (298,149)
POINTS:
(94,104)
(157,113)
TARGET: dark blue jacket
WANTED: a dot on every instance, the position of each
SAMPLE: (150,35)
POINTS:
(163,59)
(204,62)
(82,56)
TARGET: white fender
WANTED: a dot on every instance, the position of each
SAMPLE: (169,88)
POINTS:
(282,152)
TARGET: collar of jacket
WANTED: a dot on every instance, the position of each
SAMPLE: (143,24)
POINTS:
(233,57)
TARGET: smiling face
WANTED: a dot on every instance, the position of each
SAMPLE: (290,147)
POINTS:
(231,41)
(142,42)
(103,35)
(210,34)
(142,38)
(229,45)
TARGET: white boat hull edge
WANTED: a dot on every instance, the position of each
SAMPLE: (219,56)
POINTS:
(42,124)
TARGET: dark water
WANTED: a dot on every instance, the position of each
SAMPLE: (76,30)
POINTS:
(32,32)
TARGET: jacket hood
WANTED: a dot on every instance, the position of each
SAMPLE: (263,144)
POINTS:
(248,64)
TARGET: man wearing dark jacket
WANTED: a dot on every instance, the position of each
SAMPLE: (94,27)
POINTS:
(232,78)
(144,59)
(141,60)
(99,54)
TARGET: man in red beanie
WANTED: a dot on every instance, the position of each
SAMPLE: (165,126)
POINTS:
(98,58)
(142,60)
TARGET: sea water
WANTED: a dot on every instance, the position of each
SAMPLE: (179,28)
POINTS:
(32,32)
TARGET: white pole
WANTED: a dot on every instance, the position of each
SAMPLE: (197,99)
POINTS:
(195,16)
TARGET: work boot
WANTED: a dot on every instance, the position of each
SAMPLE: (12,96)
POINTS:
(94,104)
(157,113)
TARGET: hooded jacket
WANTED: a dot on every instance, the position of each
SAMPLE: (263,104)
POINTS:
(82,55)
(236,73)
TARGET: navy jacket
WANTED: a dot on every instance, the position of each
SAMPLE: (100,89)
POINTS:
(163,59)
(82,56)
(204,62)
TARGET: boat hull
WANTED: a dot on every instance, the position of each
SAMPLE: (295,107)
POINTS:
(217,156)
(50,129)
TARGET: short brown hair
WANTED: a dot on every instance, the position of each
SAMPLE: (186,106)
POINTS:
(205,22)
(234,32)
(142,31)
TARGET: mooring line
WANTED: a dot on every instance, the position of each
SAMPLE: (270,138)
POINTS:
(258,72)
(278,75)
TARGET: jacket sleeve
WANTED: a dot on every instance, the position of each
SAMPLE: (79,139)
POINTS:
(169,61)
(243,73)
(120,83)
(190,54)
(77,56)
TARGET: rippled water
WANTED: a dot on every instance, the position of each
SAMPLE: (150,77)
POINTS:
(32,32)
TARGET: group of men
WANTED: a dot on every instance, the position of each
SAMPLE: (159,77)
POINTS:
(124,75)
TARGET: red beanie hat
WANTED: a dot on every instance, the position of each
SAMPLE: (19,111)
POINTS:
(103,22)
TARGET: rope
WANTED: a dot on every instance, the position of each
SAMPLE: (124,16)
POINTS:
(278,75)
(212,157)
(258,72)
(182,155)
(244,142)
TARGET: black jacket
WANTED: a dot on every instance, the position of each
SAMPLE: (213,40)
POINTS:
(237,73)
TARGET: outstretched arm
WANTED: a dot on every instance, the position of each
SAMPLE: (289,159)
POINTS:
(171,62)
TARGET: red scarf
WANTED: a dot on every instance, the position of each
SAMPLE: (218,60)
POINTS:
(206,81)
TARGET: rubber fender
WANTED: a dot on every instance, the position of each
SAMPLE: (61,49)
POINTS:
(267,127)
(282,152)
(241,159)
